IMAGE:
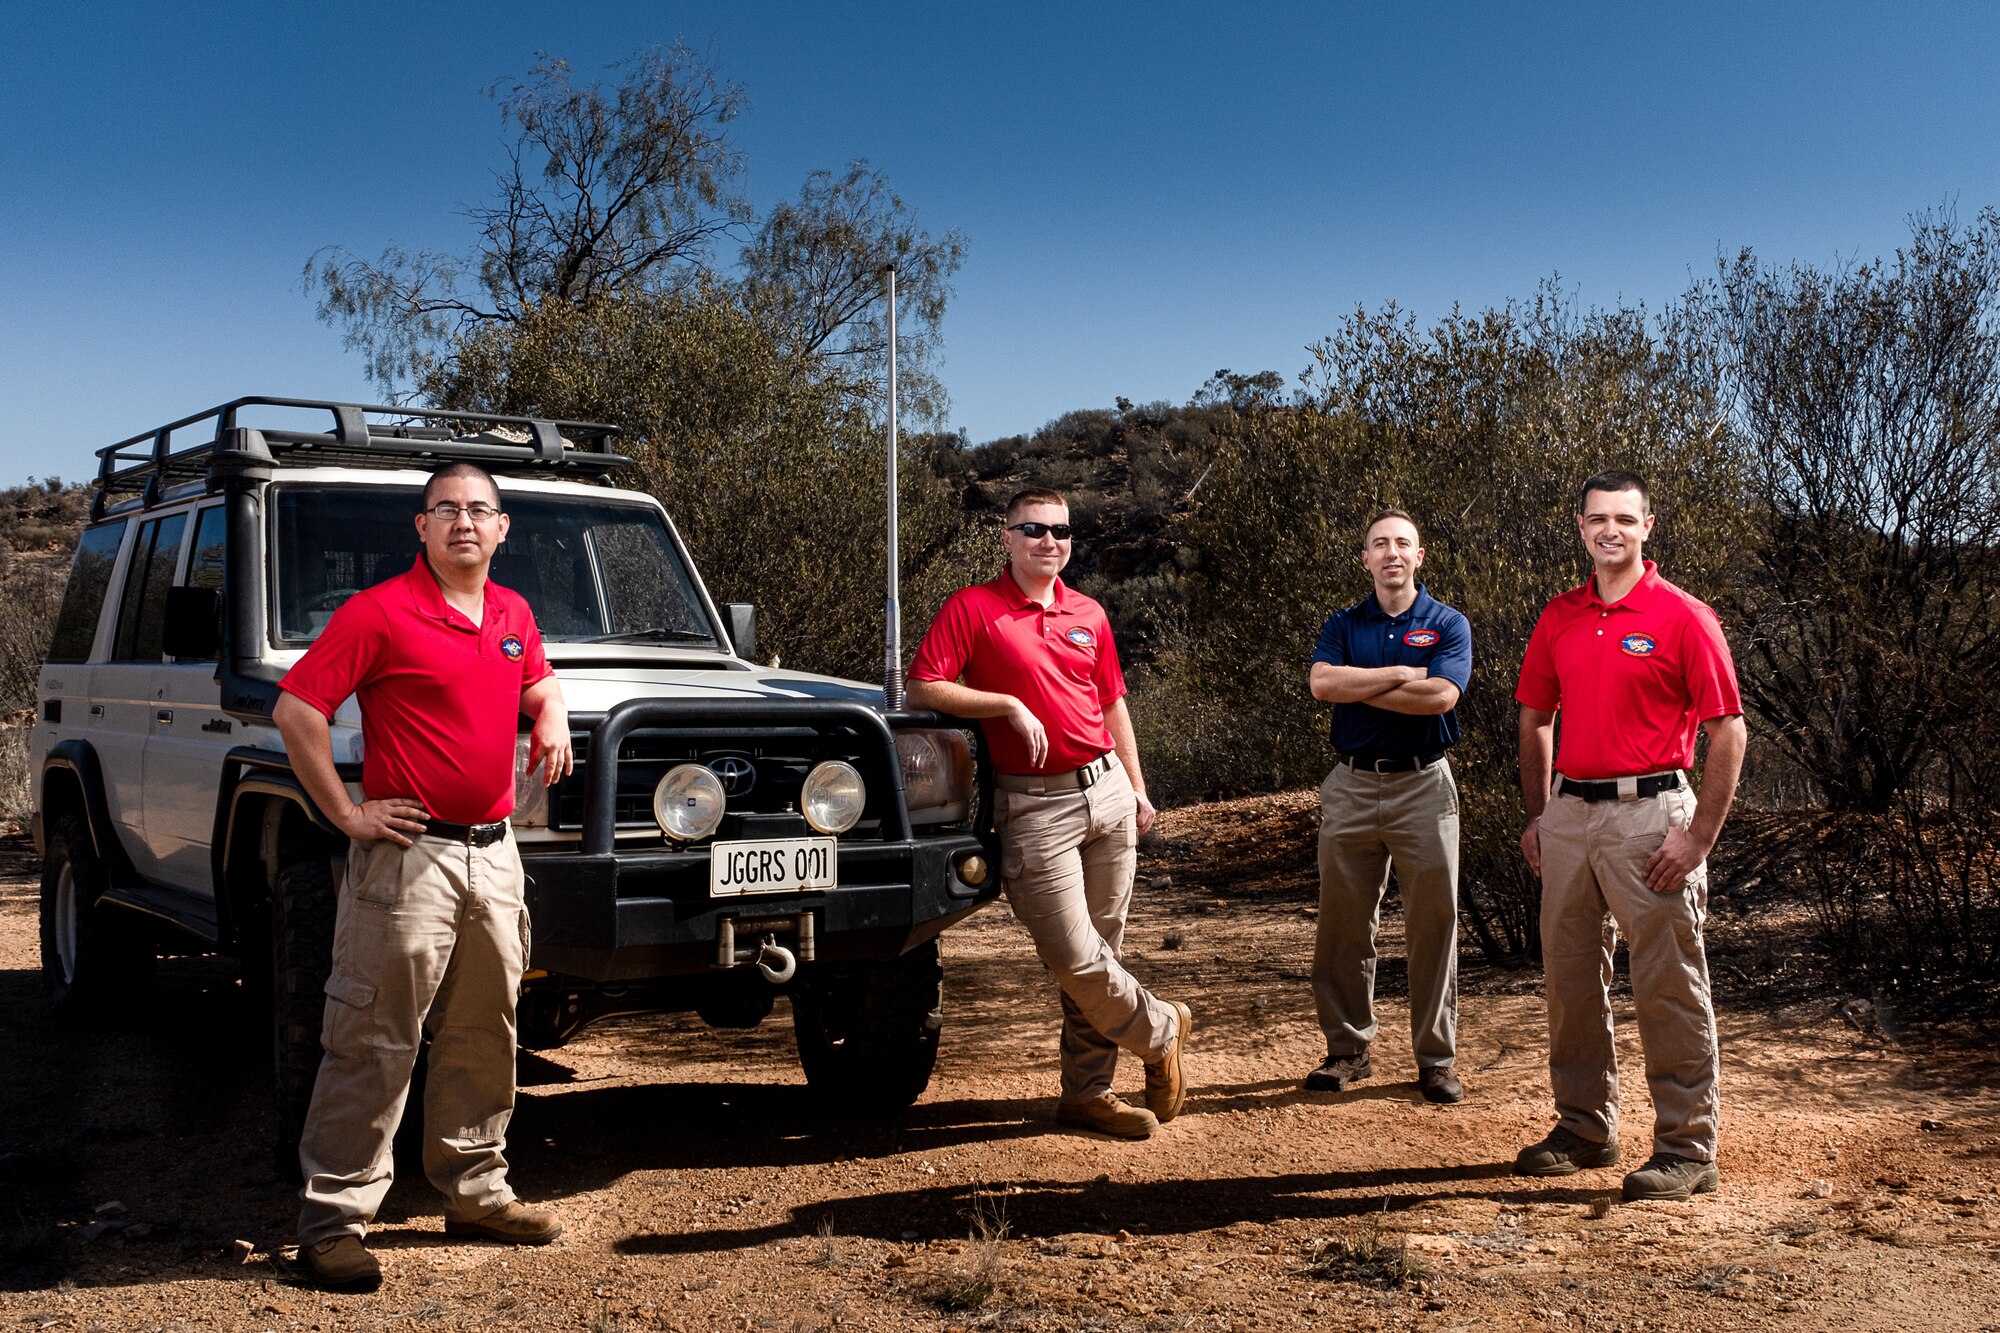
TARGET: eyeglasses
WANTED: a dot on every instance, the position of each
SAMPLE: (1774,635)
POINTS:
(444,511)
(1033,531)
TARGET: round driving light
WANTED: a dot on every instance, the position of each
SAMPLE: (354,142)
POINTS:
(833,796)
(688,802)
(972,869)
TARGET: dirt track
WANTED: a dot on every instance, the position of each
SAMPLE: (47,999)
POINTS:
(1860,1176)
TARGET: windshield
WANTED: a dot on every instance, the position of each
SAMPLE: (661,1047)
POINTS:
(592,570)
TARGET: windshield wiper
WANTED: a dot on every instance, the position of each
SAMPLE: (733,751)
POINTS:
(653,632)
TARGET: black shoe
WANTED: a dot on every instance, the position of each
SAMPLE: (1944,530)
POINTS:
(1564,1153)
(1670,1177)
(340,1264)
(1339,1073)
(1440,1085)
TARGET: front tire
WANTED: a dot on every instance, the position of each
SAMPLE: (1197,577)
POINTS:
(868,1032)
(302,913)
(89,960)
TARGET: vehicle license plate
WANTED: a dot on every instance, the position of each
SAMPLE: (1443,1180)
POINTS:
(771,865)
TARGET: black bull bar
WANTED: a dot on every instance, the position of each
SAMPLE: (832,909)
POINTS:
(607,913)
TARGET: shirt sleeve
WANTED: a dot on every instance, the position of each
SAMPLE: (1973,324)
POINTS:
(1109,676)
(1332,645)
(341,658)
(947,644)
(1711,672)
(1539,688)
(1453,659)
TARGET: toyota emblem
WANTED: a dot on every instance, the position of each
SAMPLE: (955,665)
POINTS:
(738,774)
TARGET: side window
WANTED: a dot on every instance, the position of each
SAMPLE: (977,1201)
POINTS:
(142,612)
(205,561)
(83,597)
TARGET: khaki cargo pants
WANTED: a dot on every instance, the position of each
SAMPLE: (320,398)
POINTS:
(1367,821)
(1067,860)
(1594,856)
(427,938)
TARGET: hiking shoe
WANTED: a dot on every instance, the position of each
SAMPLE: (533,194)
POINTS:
(515,1224)
(1107,1114)
(1166,1085)
(1564,1153)
(1339,1073)
(1440,1085)
(1670,1177)
(341,1264)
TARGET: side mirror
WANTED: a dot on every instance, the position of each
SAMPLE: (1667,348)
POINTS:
(194,624)
(742,618)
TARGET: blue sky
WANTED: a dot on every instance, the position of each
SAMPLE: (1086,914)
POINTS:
(1149,191)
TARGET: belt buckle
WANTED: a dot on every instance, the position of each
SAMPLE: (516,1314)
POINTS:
(1628,789)
(1086,777)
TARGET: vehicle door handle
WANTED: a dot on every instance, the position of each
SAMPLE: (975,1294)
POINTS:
(165,715)
(97,710)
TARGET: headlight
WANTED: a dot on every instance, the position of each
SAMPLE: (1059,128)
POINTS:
(531,797)
(832,797)
(937,775)
(688,802)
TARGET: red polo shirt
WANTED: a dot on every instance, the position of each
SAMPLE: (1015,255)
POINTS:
(1059,661)
(440,696)
(1633,679)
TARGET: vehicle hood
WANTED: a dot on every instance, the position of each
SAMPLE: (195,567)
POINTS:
(596,686)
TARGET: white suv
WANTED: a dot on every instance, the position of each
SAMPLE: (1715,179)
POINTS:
(731,832)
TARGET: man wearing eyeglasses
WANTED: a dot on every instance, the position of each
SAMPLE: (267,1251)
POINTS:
(1393,666)
(431,929)
(1033,660)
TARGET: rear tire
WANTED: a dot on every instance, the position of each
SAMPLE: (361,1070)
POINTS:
(868,1032)
(90,959)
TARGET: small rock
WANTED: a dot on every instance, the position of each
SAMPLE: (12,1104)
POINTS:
(1819,1189)
(138,1231)
(1599,1207)
(896,1261)
(242,1250)
(1930,1126)
(1101,1178)
(1124,1235)
(276,1307)
(103,1226)
(113,1208)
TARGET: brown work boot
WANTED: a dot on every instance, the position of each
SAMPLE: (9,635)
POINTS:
(1107,1114)
(516,1224)
(341,1264)
(1564,1153)
(1166,1082)
(1671,1177)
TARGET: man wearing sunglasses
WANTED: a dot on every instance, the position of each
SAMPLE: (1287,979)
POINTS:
(430,928)
(1033,660)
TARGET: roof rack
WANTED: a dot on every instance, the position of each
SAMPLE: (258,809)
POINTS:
(147,464)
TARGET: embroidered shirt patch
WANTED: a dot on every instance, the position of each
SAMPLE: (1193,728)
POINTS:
(511,645)
(1638,645)
(1081,637)
(1421,638)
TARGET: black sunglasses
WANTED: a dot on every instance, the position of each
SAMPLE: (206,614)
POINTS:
(1033,531)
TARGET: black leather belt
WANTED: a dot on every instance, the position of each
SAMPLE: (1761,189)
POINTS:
(1651,785)
(472,835)
(1406,763)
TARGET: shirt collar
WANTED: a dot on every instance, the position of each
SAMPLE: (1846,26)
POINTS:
(1020,601)
(428,598)
(1639,599)
(1370,609)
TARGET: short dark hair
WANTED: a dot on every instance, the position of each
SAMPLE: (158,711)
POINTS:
(1614,480)
(1390,511)
(1034,495)
(460,469)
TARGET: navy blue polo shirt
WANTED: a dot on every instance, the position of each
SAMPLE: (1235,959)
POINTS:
(1430,635)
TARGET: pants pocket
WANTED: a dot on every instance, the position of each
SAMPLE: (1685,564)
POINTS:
(347,1000)
(377,876)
